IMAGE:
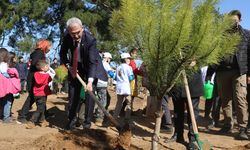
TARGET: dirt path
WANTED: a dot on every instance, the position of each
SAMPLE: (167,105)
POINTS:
(16,137)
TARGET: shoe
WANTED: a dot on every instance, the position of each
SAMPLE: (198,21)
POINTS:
(43,124)
(172,139)
(167,129)
(181,140)
(63,93)
(98,122)
(78,124)
(21,121)
(16,96)
(225,130)
(106,124)
(30,125)
(8,120)
(217,124)
(242,135)
(192,146)
(70,125)
(211,125)
(86,125)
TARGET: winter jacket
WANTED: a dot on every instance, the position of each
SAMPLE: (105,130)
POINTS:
(41,85)
(241,55)
(10,85)
(22,69)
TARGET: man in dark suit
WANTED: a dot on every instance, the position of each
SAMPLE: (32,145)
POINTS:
(78,52)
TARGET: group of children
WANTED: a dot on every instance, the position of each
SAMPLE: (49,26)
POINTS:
(10,83)
(11,86)
(125,85)
(124,78)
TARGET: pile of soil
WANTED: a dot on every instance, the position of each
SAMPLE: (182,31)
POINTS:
(245,147)
(76,140)
(87,139)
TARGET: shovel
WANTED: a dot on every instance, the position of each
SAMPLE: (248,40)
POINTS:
(124,138)
(108,115)
(201,144)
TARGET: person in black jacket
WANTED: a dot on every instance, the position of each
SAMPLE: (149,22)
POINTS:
(42,47)
(231,81)
(22,69)
(179,98)
(79,54)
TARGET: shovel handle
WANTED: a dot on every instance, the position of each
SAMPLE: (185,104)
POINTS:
(110,117)
(190,105)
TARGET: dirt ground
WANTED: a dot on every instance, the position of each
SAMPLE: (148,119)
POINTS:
(14,136)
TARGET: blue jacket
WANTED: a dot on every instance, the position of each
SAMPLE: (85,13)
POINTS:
(22,69)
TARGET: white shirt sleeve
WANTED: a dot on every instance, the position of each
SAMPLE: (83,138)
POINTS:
(51,72)
(106,66)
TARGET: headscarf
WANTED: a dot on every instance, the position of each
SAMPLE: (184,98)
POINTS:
(44,45)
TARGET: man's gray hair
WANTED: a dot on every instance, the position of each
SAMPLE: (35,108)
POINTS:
(73,20)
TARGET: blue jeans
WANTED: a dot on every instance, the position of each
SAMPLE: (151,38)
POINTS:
(6,105)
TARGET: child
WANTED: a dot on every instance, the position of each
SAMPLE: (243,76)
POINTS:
(81,109)
(41,91)
(4,59)
(136,71)
(10,84)
(101,89)
(124,75)
(22,69)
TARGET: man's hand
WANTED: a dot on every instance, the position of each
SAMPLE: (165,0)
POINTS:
(67,66)
(89,87)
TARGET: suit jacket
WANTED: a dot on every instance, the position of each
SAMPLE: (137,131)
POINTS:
(90,59)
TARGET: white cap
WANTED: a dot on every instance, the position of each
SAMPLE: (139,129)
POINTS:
(107,55)
(125,55)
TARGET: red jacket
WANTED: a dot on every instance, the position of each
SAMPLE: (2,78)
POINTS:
(41,86)
(136,71)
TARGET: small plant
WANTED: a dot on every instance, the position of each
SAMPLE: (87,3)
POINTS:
(61,76)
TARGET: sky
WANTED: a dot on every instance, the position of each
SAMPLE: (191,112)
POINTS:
(243,6)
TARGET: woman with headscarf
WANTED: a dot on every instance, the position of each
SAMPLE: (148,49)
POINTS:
(42,47)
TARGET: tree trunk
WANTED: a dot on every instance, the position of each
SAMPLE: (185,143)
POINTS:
(59,86)
(151,108)
(158,115)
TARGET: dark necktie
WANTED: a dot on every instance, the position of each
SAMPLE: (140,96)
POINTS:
(75,60)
